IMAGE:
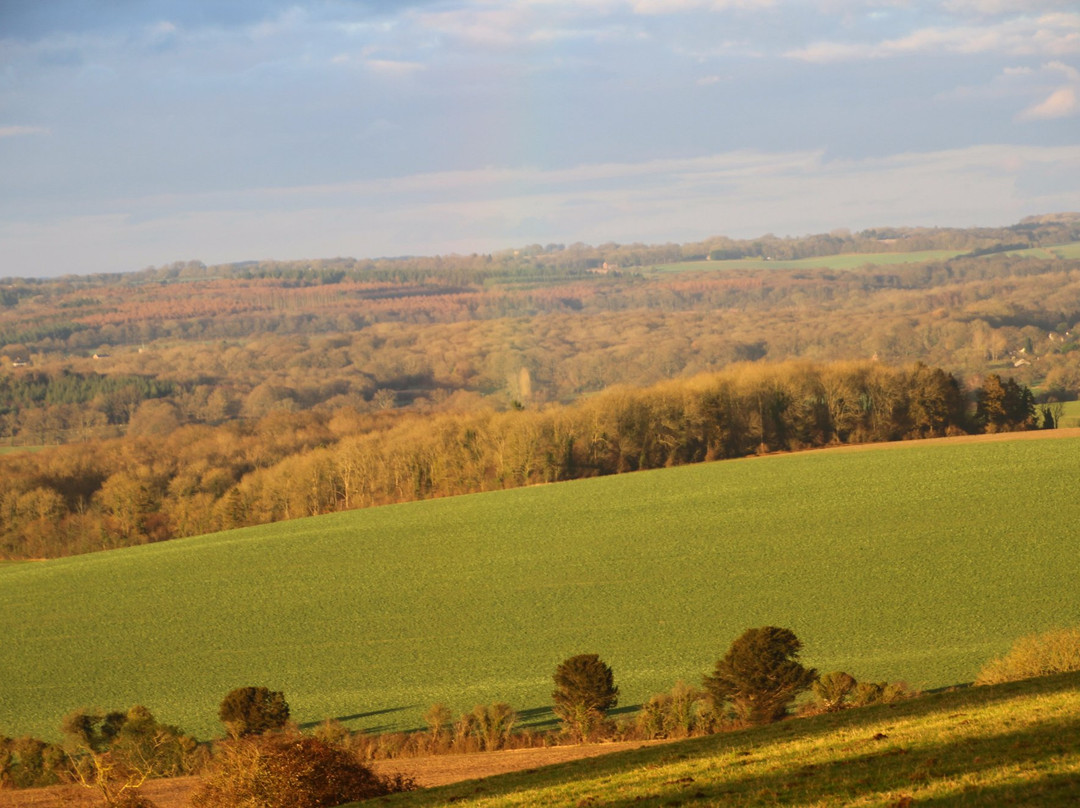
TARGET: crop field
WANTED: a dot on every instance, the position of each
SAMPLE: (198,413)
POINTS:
(857,260)
(919,562)
(1070,415)
(1062,251)
(1016,744)
(845,261)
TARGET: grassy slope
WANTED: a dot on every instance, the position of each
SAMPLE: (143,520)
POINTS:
(920,563)
(1010,744)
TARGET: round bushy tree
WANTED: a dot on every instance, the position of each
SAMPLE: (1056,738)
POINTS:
(585,691)
(253,711)
(760,675)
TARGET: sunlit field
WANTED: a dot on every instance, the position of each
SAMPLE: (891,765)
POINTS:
(1015,744)
(918,562)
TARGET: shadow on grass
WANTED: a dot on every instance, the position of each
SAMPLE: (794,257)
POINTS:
(892,773)
(1042,790)
(873,764)
(543,718)
(357,716)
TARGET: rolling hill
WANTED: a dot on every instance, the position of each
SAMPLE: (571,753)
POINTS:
(919,562)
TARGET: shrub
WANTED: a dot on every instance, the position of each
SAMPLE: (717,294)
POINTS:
(760,675)
(115,753)
(253,711)
(289,771)
(832,690)
(675,714)
(26,762)
(651,719)
(493,724)
(332,732)
(1035,655)
(439,720)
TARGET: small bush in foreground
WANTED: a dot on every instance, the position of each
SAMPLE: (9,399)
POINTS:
(1035,655)
(289,771)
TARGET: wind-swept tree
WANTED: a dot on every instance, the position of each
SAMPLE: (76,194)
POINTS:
(585,691)
(760,675)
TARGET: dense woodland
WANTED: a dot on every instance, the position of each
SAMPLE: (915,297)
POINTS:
(188,398)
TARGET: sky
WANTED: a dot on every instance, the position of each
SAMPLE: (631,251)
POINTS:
(137,133)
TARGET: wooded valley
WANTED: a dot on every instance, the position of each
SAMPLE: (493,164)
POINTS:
(187,398)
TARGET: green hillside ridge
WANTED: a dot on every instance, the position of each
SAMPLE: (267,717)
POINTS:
(848,261)
(838,262)
(988,746)
(919,563)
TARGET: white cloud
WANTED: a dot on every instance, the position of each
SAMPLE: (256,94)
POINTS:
(1061,103)
(1048,35)
(393,67)
(993,7)
(1071,73)
(386,67)
(495,23)
(15,131)
(676,6)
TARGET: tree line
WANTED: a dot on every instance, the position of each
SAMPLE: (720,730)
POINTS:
(229,349)
(265,759)
(199,479)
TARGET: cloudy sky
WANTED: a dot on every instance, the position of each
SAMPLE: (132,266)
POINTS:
(141,132)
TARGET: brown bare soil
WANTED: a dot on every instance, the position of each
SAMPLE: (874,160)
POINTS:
(435,770)
(172,792)
(440,770)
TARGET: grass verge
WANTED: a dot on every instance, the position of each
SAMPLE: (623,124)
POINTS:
(1015,744)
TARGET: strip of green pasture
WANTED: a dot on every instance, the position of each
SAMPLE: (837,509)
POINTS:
(1061,251)
(838,262)
(919,562)
(858,260)
(16,449)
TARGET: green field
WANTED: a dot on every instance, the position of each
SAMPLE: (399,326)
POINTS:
(1016,744)
(1070,415)
(917,562)
(846,261)
(15,449)
(1066,251)
(857,260)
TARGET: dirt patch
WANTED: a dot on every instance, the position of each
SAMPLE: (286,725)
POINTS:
(441,770)
(171,792)
(436,770)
